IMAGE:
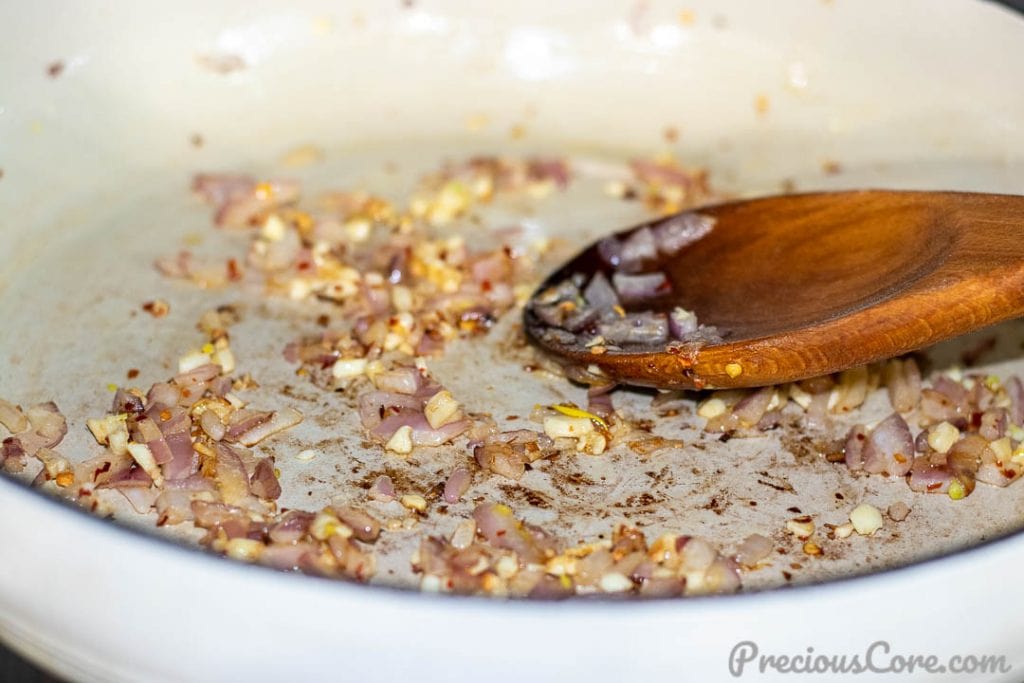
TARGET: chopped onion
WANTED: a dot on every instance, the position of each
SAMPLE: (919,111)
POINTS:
(404,380)
(12,417)
(231,477)
(375,404)
(422,433)
(903,382)
(502,530)
(634,289)
(639,247)
(278,421)
(600,294)
(212,425)
(889,448)
(162,394)
(1015,389)
(263,481)
(753,549)
(645,328)
(173,506)
(364,526)
(456,485)
(383,489)
(501,459)
(679,231)
(292,526)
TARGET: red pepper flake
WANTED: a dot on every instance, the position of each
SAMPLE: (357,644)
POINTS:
(133,373)
(323,320)
(234,270)
(55,69)
(932,487)
(157,308)
(105,467)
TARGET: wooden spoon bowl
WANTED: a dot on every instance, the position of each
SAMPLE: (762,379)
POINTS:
(805,285)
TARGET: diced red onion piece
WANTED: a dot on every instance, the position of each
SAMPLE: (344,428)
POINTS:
(127,402)
(288,557)
(817,411)
(645,328)
(1015,389)
(634,289)
(938,407)
(930,474)
(212,426)
(263,481)
(754,548)
(173,506)
(610,250)
(184,460)
(682,230)
(500,458)
(723,576)
(903,383)
(663,587)
(383,489)
(889,448)
(954,390)
(234,521)
(599,400)
(682,323)
(422,433)
(46,429)
(140,494)
(600,294)
(364,526)
(550,588)
(12,417)
(232,478)
(854,450)
(751,408)
(279,421)
(457,484)
(993,424)
(374,405)
(161,394)
(292,526)
(639,247)
(502,530)
(196,376)
(405,380)
(220,386)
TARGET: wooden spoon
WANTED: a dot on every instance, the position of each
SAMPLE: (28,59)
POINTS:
(806,285)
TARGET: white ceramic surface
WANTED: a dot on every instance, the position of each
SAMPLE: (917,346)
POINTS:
(914,94)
